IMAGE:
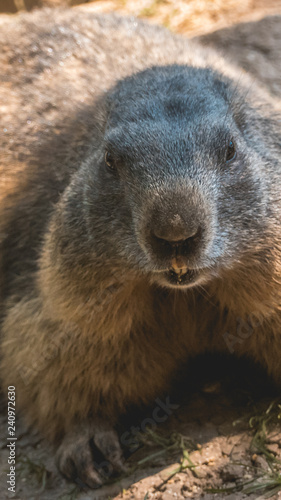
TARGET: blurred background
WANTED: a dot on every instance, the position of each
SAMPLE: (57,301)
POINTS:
(182,16)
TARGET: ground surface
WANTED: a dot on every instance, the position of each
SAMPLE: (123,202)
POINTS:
(225,436)
(182,16)
(208,438)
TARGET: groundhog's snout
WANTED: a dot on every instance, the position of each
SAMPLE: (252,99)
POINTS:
(175,229)
(175,237)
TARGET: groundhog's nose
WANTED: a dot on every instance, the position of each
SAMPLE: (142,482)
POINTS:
(175,230)
(175,235)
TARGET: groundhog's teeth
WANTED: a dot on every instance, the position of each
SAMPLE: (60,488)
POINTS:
(178,267)
(179,270)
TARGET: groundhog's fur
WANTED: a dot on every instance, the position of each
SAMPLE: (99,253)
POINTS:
(90,324)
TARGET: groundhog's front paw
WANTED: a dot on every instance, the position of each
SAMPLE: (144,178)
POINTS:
(90,456)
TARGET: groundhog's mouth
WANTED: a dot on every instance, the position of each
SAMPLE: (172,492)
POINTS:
(181,277)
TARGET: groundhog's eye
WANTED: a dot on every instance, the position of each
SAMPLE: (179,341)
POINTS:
(231,152)
(109,160)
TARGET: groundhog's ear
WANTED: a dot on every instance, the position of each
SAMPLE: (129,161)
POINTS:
(101,113)
(222,88)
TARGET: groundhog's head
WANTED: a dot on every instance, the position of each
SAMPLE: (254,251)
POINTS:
(178,187)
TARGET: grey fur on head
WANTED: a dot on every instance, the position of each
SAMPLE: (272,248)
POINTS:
(168,131)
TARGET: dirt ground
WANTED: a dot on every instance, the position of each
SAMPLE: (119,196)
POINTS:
(191,17)
(222,439)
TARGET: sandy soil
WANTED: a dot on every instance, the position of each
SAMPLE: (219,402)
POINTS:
(194,17)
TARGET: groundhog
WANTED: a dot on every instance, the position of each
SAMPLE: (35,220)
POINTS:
(140,222)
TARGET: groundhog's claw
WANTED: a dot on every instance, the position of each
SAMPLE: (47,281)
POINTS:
(90,459)
(106,440)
